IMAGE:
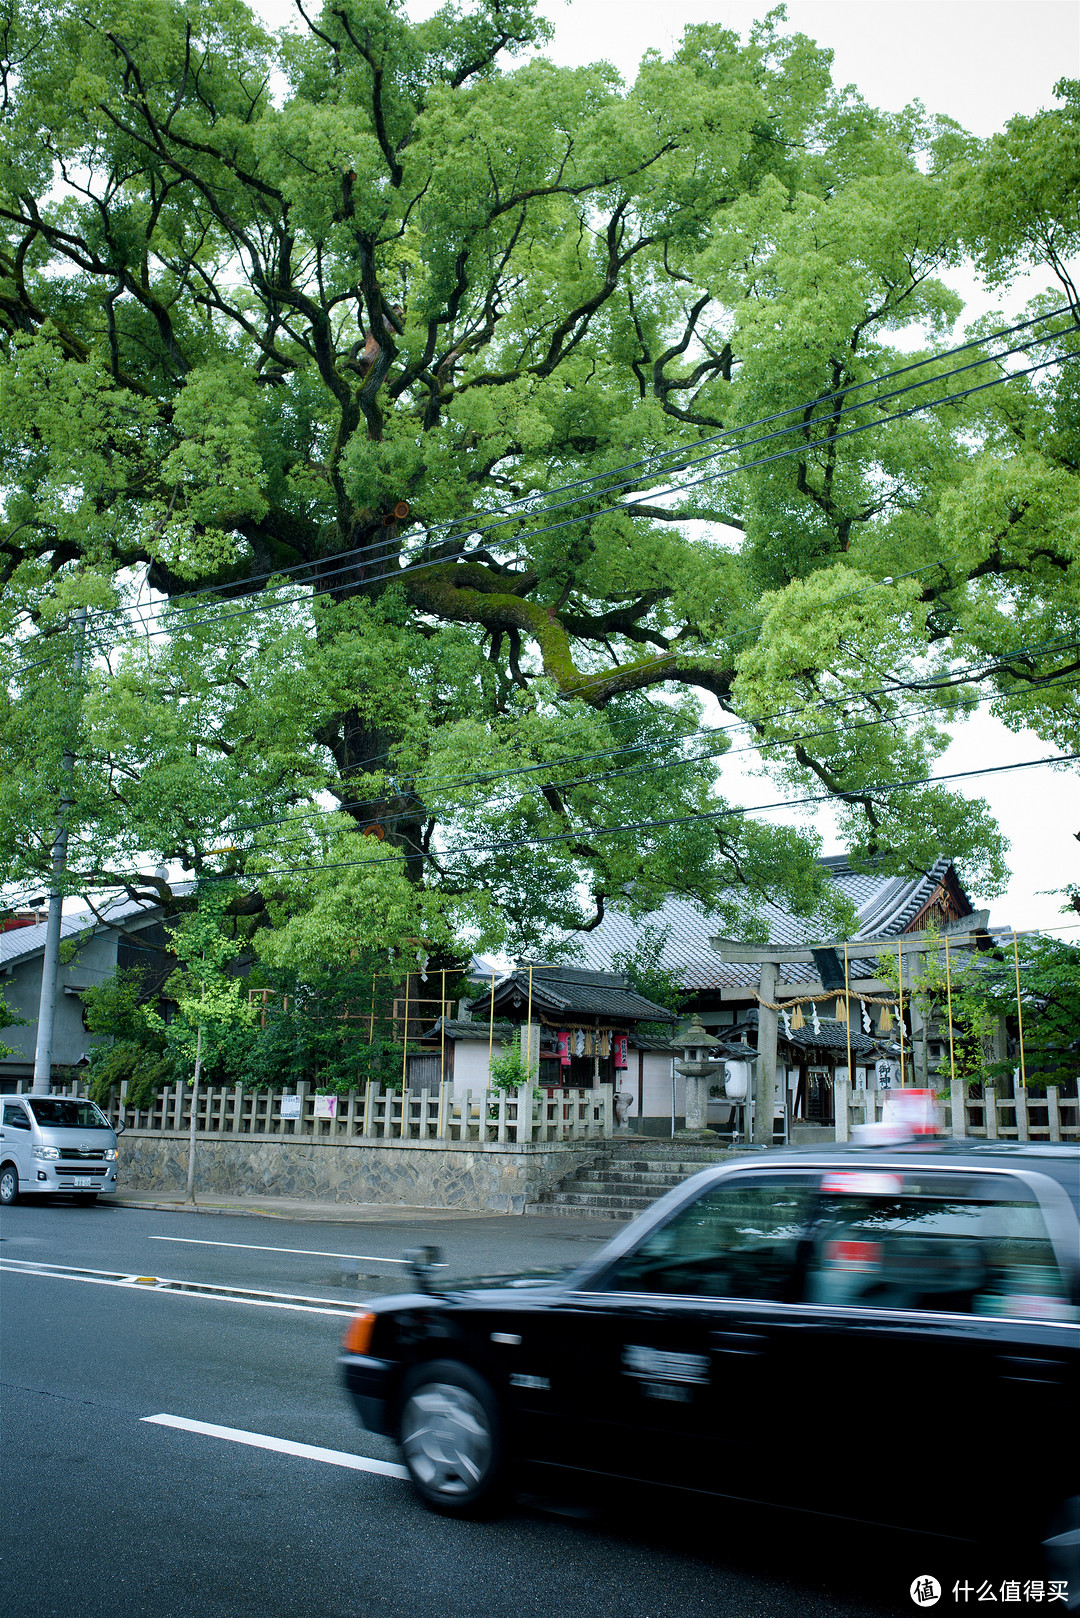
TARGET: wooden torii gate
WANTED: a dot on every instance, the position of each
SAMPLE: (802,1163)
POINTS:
(732,952)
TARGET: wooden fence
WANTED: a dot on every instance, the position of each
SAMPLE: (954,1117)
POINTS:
(370,1114)
(375,1114)
(1024,1116)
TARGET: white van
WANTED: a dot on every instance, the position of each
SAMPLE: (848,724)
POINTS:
(55,1143)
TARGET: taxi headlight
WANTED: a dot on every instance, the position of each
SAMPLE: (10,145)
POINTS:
(111,1155)
(45,1151)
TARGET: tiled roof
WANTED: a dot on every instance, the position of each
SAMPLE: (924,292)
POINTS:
(460,1028)
(833,1036)
(573,991)
(885,906)
(650,1042)
(22,942)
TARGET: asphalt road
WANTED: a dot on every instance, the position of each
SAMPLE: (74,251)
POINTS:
(106,1515)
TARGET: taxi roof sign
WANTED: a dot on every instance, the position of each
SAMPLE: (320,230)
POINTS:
(862,1183)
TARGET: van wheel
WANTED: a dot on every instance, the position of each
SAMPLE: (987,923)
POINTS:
(9,1185)
(451,1436)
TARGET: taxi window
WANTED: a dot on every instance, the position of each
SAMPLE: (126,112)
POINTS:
(986,1254)
(737,1240)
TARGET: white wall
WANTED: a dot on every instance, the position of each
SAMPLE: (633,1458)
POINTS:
(471,1064)
(656,1087)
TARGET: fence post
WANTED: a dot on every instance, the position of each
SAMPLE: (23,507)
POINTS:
(841,1108)
(1022,1130)
(1053,1112)
(369,1103)
(238,1108)
(524,1113)
(990,1111)
(958,1102)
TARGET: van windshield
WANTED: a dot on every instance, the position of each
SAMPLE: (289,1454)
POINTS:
(57,1114)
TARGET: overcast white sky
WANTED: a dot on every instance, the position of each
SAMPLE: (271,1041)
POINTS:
(980,61)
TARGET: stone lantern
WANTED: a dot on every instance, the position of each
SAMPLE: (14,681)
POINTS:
(700,1067)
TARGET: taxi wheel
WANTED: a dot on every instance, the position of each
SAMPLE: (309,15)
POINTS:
(9,1185)
(451,1437)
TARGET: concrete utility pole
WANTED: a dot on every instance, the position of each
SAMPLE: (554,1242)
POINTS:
(190,1197)
(765,1068)
(50,963)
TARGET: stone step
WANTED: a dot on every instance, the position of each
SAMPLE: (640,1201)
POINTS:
(624,1182)
(597,1199)
(666,1165)
(636,1176)
(670,1151)
(615,1185)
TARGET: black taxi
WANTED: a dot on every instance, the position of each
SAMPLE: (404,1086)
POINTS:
(749,1335)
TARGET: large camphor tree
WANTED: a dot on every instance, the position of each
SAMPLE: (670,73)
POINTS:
(336,368)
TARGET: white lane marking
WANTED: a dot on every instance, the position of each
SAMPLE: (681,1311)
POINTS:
(284,1446)
(185,1289)
(257,1247)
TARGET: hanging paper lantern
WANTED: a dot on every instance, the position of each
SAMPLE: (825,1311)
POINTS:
(798,1020)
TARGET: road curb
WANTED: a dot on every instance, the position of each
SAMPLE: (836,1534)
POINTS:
(328,1215)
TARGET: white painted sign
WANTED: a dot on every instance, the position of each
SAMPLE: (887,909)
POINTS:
(326,1106)
(290,1106)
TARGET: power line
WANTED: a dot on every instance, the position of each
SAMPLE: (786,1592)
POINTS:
(396,574)
(286,821)
(348,561)
(588,832)
(399,573)
(552,767)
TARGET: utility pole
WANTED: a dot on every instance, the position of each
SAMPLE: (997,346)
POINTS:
(190,1197)
(765,1071)
(51,960)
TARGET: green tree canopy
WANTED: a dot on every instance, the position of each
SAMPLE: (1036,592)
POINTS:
(303,336)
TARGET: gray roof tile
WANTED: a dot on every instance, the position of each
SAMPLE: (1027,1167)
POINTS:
(573,992)
(885,905)
(22,942)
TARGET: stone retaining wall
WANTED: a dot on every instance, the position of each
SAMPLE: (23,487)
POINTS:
(418,1174)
